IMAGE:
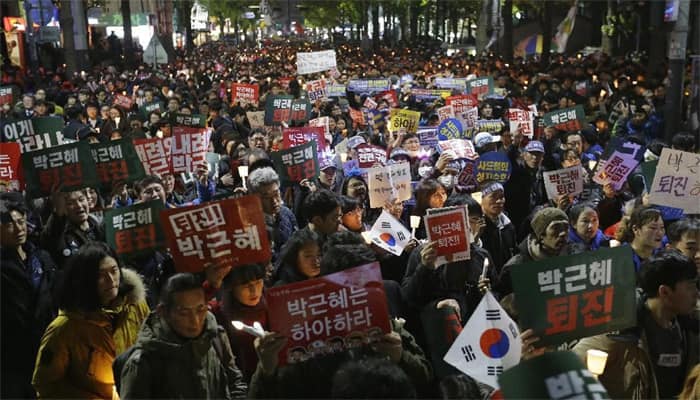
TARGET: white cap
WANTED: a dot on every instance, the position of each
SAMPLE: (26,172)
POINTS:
(484,138)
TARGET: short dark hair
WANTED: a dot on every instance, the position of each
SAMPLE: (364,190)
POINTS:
(244,274)
(640,216)
(460,387)
(576,210)
(78,291)
(290,250)
(9,202)
(147,180)
(424,189)
(682,226)
(683,141)
(461,199)
(371,378)
(666,268)
(348,204)
(320,203)
(178,283)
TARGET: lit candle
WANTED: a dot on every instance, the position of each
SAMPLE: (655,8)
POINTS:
(477,196)
(595,361)
(247,329)
(415,223)
(614,243)
(343,157)
(243,173)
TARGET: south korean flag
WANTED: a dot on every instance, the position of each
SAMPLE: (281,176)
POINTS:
(390,234)
(488,345)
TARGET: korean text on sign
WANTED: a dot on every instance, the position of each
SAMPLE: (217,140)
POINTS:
(566,181)
(10,166)
(135,229)
(69,165)
(155,155)
(677,181)
(297,163)
(189,148)
(448,227)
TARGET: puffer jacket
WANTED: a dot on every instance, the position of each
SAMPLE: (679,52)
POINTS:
(165,365)
(62,239)
(78,348)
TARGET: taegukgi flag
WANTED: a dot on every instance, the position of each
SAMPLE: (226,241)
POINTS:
(390,234)
(488,344)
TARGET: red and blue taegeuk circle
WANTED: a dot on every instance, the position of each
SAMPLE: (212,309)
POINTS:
(388,239)
(494,343)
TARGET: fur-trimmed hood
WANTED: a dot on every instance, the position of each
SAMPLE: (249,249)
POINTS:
(137,293)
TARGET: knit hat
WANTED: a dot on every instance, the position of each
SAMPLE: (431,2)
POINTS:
(544,217)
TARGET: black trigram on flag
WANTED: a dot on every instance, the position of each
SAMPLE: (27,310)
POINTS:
(400,235)
(386,225)
(468,353)
(493,371)
(493,315)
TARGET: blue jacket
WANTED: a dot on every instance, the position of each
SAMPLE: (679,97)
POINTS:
(600,240)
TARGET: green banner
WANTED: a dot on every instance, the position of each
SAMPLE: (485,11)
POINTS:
(70,166)
(136,229)
(286,109)
(34,134)
(193,120)
(480,86)
(153,106)
(648,171)
(555,375)
(297,163)
(576,296)
(117,161)
(566,119)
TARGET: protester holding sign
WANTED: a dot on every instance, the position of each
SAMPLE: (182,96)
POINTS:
(429,194)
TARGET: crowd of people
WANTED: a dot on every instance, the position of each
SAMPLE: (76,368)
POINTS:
(80,321)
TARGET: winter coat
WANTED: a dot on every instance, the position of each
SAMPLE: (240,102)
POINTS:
(600,240)
(524,191)
(500,240)
(165,365)
(78,348)
(28,307)
(284,225)
(61,238)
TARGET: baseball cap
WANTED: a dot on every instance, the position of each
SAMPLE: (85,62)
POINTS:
(355,141)
(534,146)
(484,138)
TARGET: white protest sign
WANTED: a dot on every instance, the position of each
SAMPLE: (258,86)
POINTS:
(317,61)
(462,148)
(389,234)
(256,118)
(677,181)
(615,169)
(567,181)
(469,117)
(521,121)
(388,183)
(316,89)
(445,112)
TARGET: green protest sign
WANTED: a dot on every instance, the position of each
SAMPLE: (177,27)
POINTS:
(566,119)
(34,134)
(71,166)
(286,109)
(117,161)
(192,120)
(297,163)
(136,229)
(576,296)
(648,171)
(553,375)
(146,108)
(480,86)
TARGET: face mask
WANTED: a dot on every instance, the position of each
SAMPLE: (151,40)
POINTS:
(424,171)
(447,181)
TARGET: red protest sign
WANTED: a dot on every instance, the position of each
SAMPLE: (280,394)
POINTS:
(123,101)
(391,98)
(189,148)
(155,155)
(244,93)
(316,89)
(10,170)
(448,227)
(462,103)
(284,82)
(357,118)
(298,136)
(329,314)
(225,233)
(369,155)
(5,95)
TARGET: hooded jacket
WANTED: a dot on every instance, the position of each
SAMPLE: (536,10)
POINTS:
(78,348)
(165,365)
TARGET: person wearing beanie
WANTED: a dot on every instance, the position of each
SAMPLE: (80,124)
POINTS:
(549,238)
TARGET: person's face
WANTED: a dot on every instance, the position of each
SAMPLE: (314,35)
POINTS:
(475,224)
(329,223)
(258,140)
(650,234)
(71,101)
(331,125)
(507,138)
(77,207)
(683,298)
(271,199)
(28,102)
(487,111)
(14,233)
(185,111)
(327,176)
(91,195)
(154,119)
(82,97)
(356,189)
(574,142)
(533,159)
(688,245)
(554,239)
(154,191)
(149,96)
(104,112)
(168,183)
(40,109)
(587,224)
(336,111)
(135,125)
(493,203)
(108,280)
(353,220)
(340,124)
(249,294)
(40,95)
(92,112)
(309,260)
(188,314)
(437,199)
(570,160)
(411,145)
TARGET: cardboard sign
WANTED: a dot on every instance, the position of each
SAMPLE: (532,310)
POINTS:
(480,86)
(461,148)
(297,163)
(369,155)
(615,169)
(428,137)
(225,233)
(323,123)
(256,119)
(390,234)
(451,83)
(329,314)
(6,95)
(69,165)
(577,296)
(493,166)
(357,117)
(404,120)
(147,108)
(567,119)
(10,169)
(368,85)
(286,109)
(376,119)
(369,103)
(563,182)
(430,94)
(34,134)
(448,226)
(189,149)
(317,61)
(462,102)
(316,89)
(293,137)
(469,118)
(336,90)
(117,161)
(388,183)
(191,120)
(390,97)
(123,101)
(245,93)
(155,155)
(466,179)
(445,112)
(136,229)
(553,375)
(489,125)
(676,183)
(521,122)
(450,128)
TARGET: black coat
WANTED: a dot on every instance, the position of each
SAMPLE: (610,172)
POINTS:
(502,244)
